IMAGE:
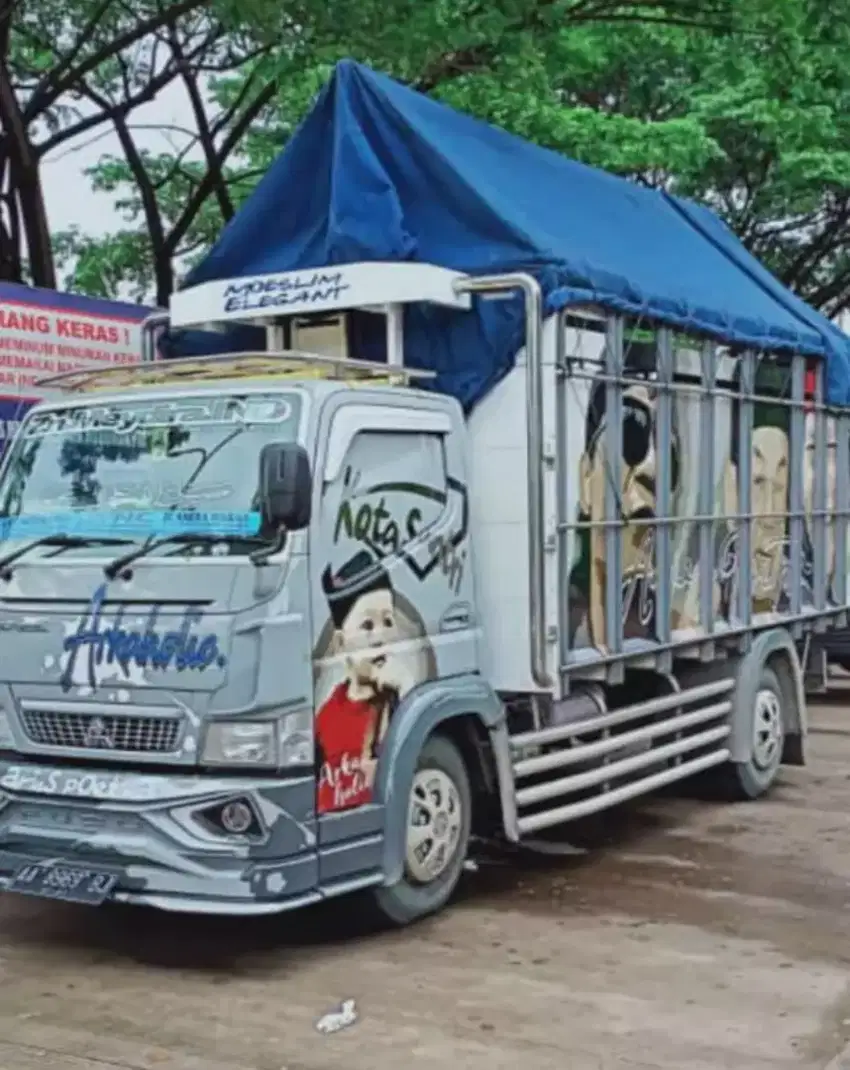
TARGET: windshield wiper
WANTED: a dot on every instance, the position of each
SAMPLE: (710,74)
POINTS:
(189,538)
(62,541)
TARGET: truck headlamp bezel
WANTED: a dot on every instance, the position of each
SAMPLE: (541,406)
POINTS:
(283,742)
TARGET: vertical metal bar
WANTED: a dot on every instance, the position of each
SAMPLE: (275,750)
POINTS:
(562,503)
(796,498)
(819,522)
(663,564)
(536,524)
(395,335)
(745,488)
(706,492)
(151,326)
(842,505)
(613,485)
(276,338)
(533,296)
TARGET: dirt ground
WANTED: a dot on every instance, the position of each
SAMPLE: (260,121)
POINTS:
(690,935)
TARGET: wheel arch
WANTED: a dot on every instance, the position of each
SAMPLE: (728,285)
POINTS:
(470,713)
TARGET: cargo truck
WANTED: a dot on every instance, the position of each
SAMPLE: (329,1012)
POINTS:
(526,509)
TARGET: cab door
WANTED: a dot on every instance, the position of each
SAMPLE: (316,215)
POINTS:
(391,601)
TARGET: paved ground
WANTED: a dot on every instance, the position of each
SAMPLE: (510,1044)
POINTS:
(697,937)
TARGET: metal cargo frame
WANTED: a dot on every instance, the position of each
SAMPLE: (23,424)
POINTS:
(573,752)
(830,593)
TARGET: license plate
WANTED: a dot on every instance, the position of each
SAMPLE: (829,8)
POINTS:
(71,884)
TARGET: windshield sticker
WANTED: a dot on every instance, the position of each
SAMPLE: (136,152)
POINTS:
(131,522)
(141,494)
(107,646)
(182,412)
(134,494)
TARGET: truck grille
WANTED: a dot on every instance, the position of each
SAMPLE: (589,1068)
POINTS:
(103,732)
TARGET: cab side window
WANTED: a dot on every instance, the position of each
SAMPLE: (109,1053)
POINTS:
(390,491)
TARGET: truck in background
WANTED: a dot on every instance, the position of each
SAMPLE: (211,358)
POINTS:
(44,333)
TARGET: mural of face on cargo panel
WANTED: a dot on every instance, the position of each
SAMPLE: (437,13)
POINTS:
(636,494)
(770,473)
(372,653)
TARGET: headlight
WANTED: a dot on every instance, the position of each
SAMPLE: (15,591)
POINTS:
(241,743)
(283,744)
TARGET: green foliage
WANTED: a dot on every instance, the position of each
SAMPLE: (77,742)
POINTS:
(744,106)
(66,68)
(69,69)
(122,263)
(58,52)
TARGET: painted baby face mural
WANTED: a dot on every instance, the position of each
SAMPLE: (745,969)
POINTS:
(380,663)
(364,635)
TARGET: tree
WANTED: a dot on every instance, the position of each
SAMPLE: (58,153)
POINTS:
(744,107)
(174,202)
(767,107)
(761,122)
(782,179)
(741,105)
(54,54)
(305,42)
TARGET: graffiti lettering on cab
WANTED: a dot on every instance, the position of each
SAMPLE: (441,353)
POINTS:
(108,647)
(372,517)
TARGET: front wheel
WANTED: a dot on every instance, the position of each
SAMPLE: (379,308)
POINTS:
(439,820)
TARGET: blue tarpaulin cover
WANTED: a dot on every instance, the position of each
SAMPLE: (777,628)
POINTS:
(377,171)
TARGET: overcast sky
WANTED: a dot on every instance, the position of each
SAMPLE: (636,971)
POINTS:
(67,190)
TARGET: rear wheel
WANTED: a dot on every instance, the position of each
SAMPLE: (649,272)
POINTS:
(439,819)
(755,777)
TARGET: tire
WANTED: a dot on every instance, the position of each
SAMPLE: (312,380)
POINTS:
(754,778)
(432,874)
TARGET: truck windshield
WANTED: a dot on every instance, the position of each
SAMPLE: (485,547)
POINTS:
(140,468)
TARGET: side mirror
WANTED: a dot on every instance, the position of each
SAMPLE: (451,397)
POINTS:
(286,485)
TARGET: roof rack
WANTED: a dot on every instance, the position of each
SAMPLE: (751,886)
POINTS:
(259,365)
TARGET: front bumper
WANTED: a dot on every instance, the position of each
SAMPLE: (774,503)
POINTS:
(154,834)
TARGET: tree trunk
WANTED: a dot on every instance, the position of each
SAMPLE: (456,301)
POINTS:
(25,186)
(11,266)
(164,275)
(160,251)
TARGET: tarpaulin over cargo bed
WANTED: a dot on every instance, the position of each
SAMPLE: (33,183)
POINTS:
(379,172)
